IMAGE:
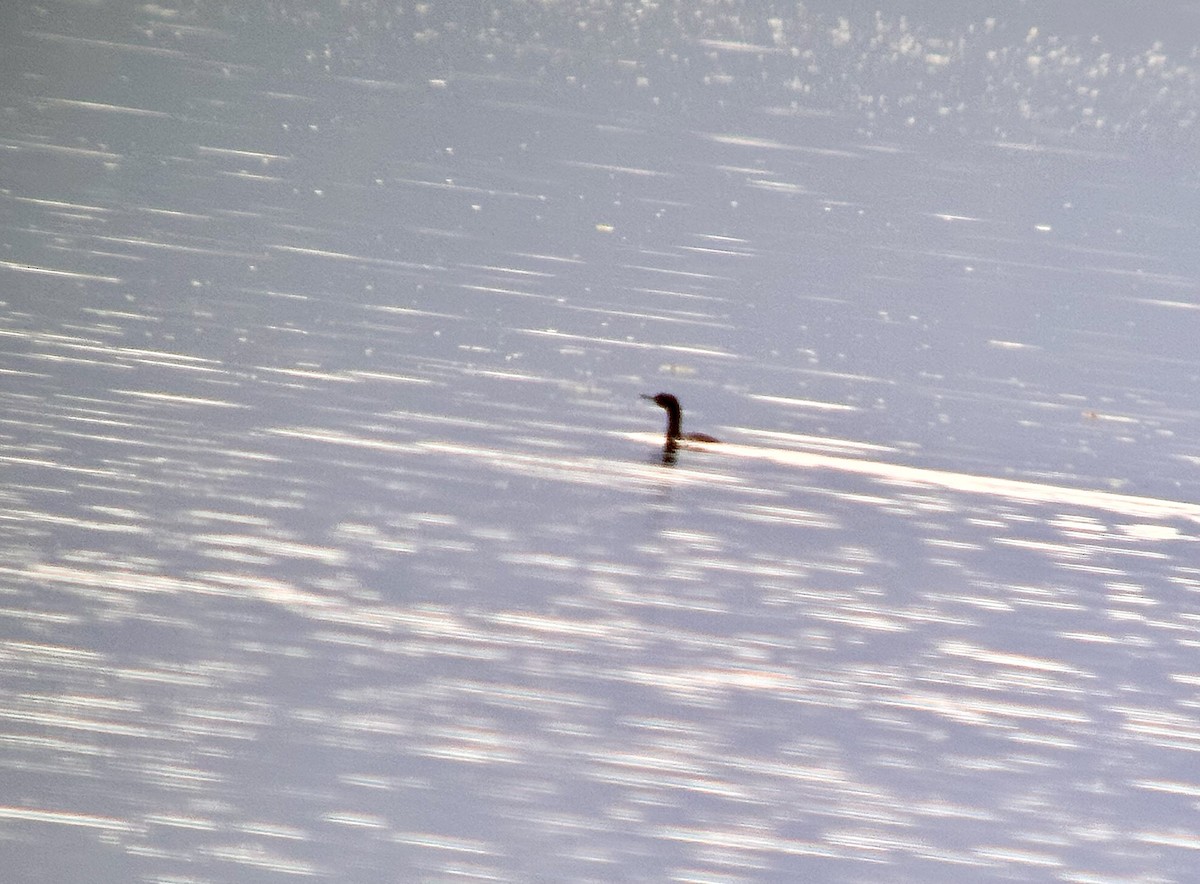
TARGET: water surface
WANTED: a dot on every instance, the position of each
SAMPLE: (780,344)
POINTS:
(337,541)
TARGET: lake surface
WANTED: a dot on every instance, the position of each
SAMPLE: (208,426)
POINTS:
(337,542)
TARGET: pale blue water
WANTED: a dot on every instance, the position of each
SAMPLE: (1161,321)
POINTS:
(336,541)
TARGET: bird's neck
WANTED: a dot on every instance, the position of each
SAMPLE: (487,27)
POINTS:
(674,423)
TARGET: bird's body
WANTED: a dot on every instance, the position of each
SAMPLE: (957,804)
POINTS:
(675,433)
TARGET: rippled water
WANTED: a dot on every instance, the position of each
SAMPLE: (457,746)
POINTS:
(337,542)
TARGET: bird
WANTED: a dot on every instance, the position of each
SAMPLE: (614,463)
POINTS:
(675,421)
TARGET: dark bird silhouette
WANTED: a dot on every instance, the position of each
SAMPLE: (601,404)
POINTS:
(675,433)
